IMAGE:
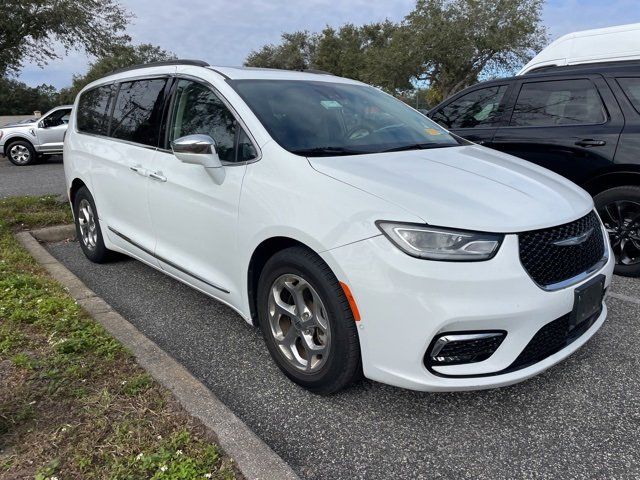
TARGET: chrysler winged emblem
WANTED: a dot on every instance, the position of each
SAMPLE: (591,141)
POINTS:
(577,240)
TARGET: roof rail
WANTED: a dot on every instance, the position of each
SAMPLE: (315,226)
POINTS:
(196,63)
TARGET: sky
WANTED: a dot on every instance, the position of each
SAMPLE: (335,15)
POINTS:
(223,32)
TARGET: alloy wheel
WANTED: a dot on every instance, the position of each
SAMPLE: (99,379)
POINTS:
(20,154)
(622,221)
(299,323)
(87,223)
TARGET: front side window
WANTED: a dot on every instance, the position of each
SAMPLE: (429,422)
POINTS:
(480,108)
(559,102)
(94,107)
(631,88)
(313,118)
(138,111)
(57,118)
(198,110)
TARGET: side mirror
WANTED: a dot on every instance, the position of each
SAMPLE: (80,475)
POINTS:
(199,150)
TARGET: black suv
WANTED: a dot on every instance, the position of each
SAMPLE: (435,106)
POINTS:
(580,121)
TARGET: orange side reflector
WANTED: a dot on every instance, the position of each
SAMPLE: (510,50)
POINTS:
(352,302)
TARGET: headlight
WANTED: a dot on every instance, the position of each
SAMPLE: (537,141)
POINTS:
(435,243)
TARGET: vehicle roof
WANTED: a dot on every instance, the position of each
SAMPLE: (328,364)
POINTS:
(617,43)
(609,68)
(228,72)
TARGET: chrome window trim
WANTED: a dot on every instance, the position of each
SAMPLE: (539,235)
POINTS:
(164,260)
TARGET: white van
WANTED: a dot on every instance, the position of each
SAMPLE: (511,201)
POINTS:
(610,44)
(357,233)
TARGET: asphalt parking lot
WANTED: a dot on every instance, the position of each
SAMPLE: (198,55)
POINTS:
(45,177)
(580,419)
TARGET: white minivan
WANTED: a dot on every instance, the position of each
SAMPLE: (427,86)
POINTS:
(360,236)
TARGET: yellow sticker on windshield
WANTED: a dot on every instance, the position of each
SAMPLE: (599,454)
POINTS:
(433,131)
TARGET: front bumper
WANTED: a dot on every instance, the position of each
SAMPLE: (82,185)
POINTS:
(405,302)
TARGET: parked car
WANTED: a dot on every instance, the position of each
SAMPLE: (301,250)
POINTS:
(355,232)
(580,121)
(23,142)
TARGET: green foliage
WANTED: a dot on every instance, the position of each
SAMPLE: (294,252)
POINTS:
(31,29)
(118,57)
(445,43)
(16,98)
(450,43)
(296,52)
(73,403)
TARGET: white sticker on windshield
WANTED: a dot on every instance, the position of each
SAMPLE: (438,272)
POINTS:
(330,104)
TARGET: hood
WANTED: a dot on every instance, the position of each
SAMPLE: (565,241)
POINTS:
(18,124)
(467,187)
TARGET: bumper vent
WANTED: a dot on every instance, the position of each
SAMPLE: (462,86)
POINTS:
(553,255)
(456,349)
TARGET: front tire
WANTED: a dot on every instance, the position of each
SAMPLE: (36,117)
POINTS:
(21,153)
(307,322)
(88,230)
(619,209)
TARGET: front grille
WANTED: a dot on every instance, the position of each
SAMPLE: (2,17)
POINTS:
(548,264)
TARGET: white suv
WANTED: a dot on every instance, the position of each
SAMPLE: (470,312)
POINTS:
(359,235)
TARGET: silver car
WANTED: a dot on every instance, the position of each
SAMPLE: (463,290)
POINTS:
(23,142)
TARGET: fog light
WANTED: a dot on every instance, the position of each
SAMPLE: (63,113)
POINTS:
(459,348)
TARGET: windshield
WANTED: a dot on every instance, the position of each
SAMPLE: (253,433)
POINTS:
(323,119)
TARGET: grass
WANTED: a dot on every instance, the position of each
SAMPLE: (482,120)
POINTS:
(73,402)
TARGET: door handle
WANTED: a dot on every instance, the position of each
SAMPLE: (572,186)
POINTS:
(158,176)
(588,142)
(138,169)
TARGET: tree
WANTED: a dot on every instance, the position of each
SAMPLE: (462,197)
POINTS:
(120,56)
(31,30)
(295,52)
(452,42)
(16,98)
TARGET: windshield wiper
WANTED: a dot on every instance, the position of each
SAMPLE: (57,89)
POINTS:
(327,151)
(418,146)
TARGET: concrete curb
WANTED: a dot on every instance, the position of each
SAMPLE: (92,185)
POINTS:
(254,458)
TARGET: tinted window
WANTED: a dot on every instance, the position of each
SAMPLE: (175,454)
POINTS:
(93,110)
(324,118)
(138,111)
(480,108)
(631,87)
(563,102)
(198,110)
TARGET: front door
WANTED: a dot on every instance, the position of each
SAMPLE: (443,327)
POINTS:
(568,125)
(195,216)
(50,130)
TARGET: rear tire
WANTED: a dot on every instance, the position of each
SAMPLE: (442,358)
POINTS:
(619,208)
(317,345)
(88,230)
(21,153)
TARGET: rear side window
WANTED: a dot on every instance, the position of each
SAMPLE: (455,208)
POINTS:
(198,110)
(480,108)
(138,111)
(93,110)
(631,88)
(561,102)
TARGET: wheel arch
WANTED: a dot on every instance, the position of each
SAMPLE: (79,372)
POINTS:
(618,177)
(76,185)
(11,140)
(262,253)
